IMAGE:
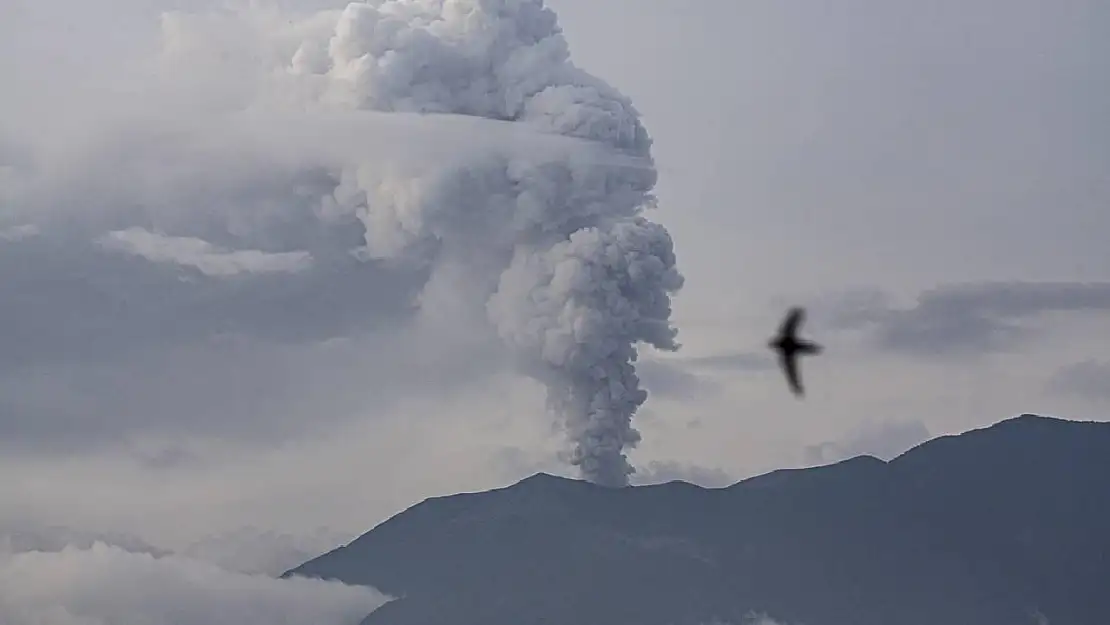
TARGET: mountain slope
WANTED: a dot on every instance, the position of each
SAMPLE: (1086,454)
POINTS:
(986,528)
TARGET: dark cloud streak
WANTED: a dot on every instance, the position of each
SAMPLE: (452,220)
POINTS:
(967,319)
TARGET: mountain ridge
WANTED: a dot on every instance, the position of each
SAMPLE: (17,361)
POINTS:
(972,528)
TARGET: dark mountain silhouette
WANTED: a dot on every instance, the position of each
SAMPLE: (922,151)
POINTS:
(1006,525)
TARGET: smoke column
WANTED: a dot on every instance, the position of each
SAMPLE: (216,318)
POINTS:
(569,272)
(548,246)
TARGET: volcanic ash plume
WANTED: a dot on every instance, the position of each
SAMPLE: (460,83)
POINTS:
(549,245)
(579,307)
(572,276)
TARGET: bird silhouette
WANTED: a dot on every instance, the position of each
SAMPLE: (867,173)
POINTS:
(789,346)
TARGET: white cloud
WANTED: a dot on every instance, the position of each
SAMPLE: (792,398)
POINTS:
(202,255)
(16,233)
(106,585)
(29,537)
(243,550)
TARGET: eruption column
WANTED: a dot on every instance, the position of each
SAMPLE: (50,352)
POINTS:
(568,270)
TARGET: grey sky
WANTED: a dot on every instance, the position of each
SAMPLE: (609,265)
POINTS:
(1088,378)
(970,319)
(882,439)
(931,181)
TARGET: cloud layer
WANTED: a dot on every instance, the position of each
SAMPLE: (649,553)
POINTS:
(106,585)
(967,319)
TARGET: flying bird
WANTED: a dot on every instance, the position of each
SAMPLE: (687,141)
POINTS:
(789,346)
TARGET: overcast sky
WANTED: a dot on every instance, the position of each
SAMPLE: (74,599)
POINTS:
(189,358)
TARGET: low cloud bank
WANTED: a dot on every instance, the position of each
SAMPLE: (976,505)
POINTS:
(108,585)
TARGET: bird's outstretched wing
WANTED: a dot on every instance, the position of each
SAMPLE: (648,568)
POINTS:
(789,363)
(794,319)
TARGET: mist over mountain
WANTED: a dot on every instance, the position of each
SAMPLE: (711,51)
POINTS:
(999,526)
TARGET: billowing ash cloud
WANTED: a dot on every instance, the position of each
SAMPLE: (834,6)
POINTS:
(578,308)
(572,275)
(449,144)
